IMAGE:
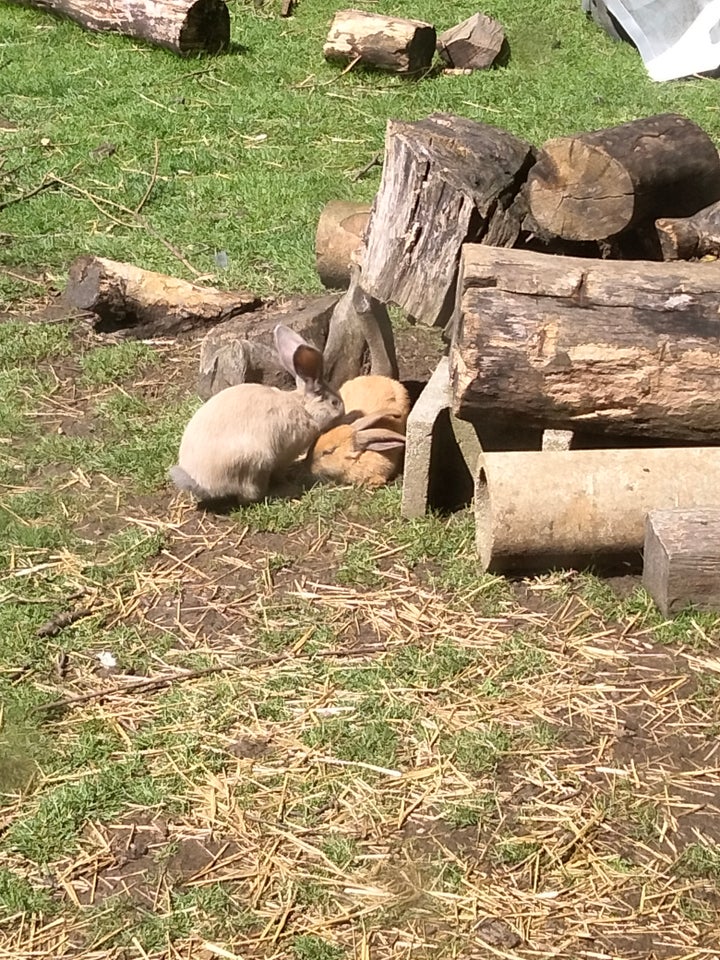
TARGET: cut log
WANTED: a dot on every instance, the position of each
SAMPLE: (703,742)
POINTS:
(473,44)
(594,185)
(571,508)
(682,559)
(623,347)
(446,180)
(145,304)
(243,350)
(183,26)
(388,43)
(689,237)
(359,324)
(339,235)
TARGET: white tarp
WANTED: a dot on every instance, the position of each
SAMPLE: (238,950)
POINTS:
(675,38)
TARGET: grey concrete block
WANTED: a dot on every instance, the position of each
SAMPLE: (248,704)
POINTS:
(440,451)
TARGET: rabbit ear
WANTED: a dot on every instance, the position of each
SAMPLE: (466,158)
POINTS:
(298,357)
(377,440)
(362,423)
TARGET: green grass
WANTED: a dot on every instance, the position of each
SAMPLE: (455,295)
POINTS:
(251,145)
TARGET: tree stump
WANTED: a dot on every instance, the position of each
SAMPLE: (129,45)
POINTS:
(473,44)
(689,237)
(339,235)
(682,559)
(594,185)
(183,26)
(388,43)
(605,346)
(446,180)
(146,304)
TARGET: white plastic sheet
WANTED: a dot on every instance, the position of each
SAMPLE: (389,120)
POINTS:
(675,38)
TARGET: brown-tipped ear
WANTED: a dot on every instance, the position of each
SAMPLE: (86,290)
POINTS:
(298,357)
(377,440)
(362,423)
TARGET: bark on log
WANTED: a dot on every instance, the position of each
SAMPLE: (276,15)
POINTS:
(243,350)
(682,559)
(339,235)
(183,26)
(145,304)
(360,325)
(624,347)
(689,237)
(595,185)
(534,511)
(389,43)
(473,44)
(446,180)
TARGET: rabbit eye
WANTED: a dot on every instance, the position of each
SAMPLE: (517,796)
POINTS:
(328,450)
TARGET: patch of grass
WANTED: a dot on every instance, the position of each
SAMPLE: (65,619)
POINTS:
(511,852)
(23,343)
(17,895)
(471,814)
(341,850)
(699,861)
(359,566)
(307,947)
(111,364)
(479,751)
(445,662)
(523,656)
(367,736)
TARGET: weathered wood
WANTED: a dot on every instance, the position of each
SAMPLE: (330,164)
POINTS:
(360,327)
(536,510)
(339,235)
(388,43)
(473,44)
(689,237)
(446,180)
(243,350)
(183,26)
(145,304)
(682,559)
(607,346)
(594,185)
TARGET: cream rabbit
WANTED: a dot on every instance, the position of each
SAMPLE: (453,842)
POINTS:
(244,434)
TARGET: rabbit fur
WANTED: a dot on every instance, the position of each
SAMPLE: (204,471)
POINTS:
(365,395)
(364,452)
(245,434)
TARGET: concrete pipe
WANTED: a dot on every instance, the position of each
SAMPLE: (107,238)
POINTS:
(535,510)
(339,234)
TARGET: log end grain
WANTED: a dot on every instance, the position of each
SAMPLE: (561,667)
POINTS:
(474,44)
(206,28)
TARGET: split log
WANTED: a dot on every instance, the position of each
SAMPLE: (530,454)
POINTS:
(690,237)
(446,180)
(388,43)
(243,350)
(473,44)
(594,185)
(682,559)
(571,508)
(145,304)
(184,26)
(359,324)
(339,235)
(604,346)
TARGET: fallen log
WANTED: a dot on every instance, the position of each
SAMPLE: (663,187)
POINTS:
(184,26)
(682,559)
(388,43)
(243,350)
(624,347)
(339,235)
(537,510)
(594,185)
(141,303)
(689,237)
(474,44)
(446,180)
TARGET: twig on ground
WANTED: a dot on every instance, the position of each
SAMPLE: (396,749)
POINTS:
(43,185)
(61,620)
(153,180)
(359,174)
